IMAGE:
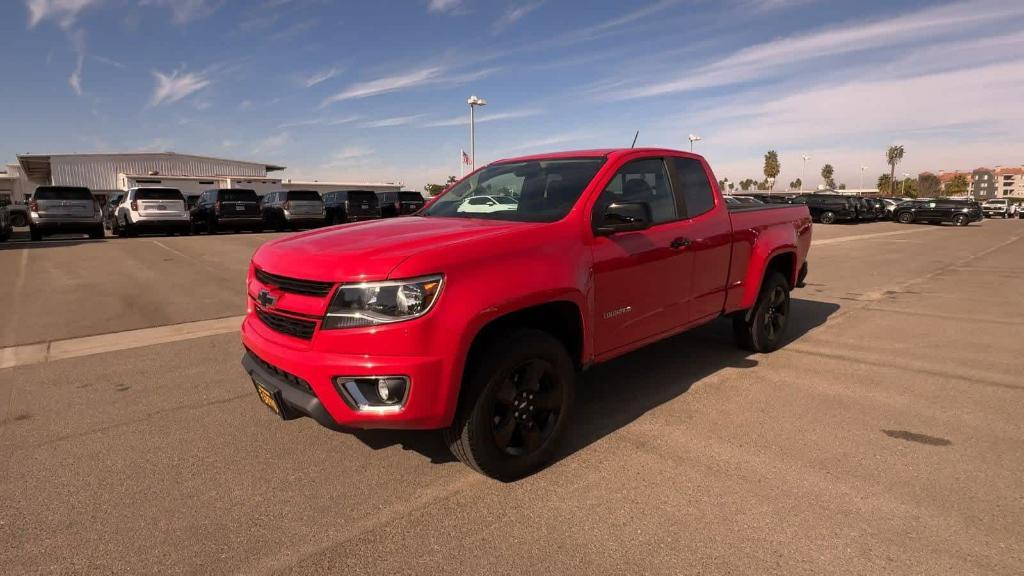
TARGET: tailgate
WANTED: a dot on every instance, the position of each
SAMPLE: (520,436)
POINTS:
(305,207)
(66,208)
(239,209)
(152,208)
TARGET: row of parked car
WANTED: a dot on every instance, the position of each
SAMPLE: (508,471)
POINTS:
(826,208)
(69,209)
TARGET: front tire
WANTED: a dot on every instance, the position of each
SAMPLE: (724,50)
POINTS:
(518,395)
(961,220)
(828,218)
(905,218)
(767,322)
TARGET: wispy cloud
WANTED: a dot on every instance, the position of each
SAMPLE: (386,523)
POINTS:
(393,121)
(320,76)
(63,12)
(321,121)
(516,13)
(405,80)
(464,120)
(185,11)
(769,5)
(272,143)
(177,85)
(763,60)
(78,41)
(351,153)
(444,6)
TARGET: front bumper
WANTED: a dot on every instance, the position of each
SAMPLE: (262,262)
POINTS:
(429,404)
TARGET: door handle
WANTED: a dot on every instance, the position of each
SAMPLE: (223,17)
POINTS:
(678,243)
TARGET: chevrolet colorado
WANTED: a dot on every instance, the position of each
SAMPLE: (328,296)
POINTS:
(477,323)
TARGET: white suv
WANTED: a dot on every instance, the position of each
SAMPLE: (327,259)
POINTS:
(151,209)
(999,207)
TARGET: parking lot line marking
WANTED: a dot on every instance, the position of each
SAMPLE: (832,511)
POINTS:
(88,345)
(866,236)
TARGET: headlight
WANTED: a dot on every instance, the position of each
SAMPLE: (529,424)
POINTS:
(373,303)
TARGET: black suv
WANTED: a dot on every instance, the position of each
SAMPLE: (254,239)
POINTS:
(293,209)
(828,208)
(400,203)
(958,212)
(5,222)
(351,206)
(235,208)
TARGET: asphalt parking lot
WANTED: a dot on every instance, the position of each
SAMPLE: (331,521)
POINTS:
(885,437)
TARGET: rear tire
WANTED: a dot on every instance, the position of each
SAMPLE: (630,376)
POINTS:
(769,318)
(517,397)
(828,218)
(18,221)
(211,227)
(961,220)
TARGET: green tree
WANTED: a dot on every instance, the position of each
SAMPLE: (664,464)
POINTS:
(433,189)
(451,180)
(841,187)
(928,185)
(827,172)
(908,187)
(772,167)
(763,184)
(797,184)
(885,185)
(746,184)
(957,186)
(893,156)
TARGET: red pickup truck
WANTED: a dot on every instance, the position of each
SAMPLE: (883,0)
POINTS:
(475,315)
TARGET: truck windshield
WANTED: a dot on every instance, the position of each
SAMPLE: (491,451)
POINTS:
(533,191)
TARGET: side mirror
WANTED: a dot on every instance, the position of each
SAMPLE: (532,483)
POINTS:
(625,217)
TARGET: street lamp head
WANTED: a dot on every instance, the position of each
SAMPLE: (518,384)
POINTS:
(695,138)
(474,100)
(806,157)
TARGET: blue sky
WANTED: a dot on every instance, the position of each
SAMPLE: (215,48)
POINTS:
(377,90)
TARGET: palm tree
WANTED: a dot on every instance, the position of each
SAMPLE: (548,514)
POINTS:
(885,185)
(893,156)
(827,171)
(771,167)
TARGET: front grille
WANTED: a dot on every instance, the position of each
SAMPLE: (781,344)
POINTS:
(294,285)
(287,325)
(291,378)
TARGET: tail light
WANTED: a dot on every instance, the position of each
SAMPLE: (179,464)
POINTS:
(216,207)
(33,206)
(135,205)
(398,206)
(288,205)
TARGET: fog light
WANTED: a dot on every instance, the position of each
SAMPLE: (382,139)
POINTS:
(373,394)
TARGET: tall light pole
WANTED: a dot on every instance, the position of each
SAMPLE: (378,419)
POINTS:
(862,169)
(694,138)
(903,190)
(473,102)
(803,176)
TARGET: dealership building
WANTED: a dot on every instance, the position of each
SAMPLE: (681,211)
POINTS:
(105,174)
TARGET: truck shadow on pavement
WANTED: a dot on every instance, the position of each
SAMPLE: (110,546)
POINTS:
(614,394)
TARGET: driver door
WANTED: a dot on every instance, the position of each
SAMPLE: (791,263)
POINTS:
(641,278)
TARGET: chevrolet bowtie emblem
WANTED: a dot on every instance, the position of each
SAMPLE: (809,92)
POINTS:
(266,299)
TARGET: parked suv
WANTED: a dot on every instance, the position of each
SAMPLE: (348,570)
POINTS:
(351,206)
(150,209)
(64,209)
(938,211)
(828,208)
(234,208)
(5,223)
(997,207)
(293,209)
(400,203)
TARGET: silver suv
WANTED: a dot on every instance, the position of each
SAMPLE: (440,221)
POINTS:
(64,209)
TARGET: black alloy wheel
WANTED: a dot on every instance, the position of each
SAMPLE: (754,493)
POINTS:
(905,217)
(961,220)
(828,218)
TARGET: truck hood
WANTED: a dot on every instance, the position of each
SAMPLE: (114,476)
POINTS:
(370,250)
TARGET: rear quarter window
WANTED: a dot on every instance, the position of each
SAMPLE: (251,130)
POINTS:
(694,187)
(62,193)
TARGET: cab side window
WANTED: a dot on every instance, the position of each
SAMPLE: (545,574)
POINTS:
(643,180)
(693,187)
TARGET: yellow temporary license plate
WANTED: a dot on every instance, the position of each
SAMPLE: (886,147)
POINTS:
(267,397)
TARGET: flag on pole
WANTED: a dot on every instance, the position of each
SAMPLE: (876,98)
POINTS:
(466,159)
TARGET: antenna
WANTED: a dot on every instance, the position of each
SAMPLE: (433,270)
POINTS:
(633,145)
